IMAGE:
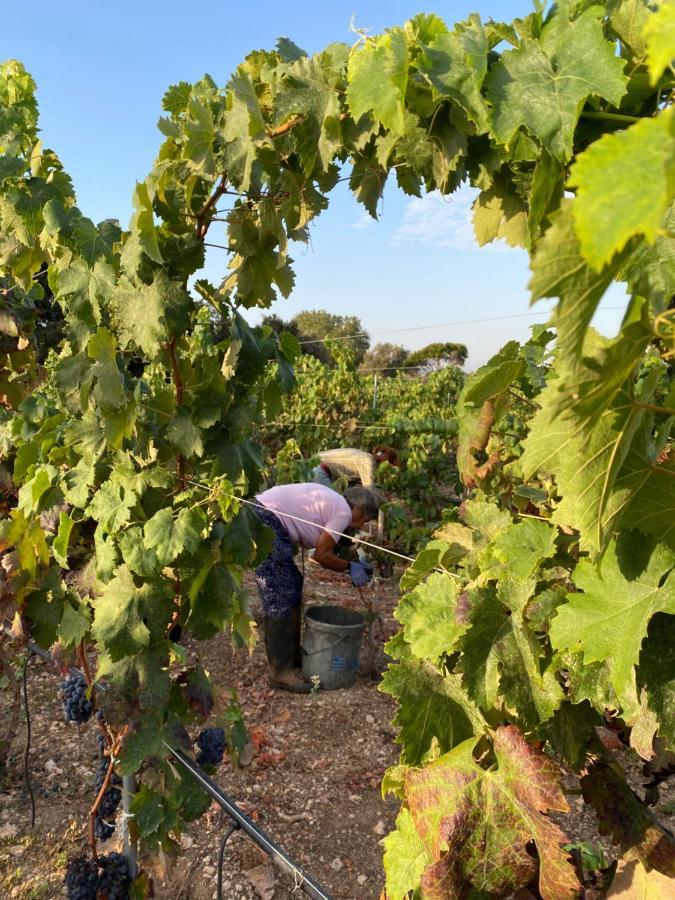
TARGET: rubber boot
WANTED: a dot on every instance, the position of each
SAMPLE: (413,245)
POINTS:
(282,644)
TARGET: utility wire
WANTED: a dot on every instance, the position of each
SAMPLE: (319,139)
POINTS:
(359,334)
(26,751)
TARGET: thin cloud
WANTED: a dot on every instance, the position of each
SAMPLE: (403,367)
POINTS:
(365,221)
(443,221)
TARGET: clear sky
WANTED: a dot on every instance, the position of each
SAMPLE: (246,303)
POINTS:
(101,70)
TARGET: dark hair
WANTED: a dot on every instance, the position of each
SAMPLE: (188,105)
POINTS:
(382,453)
(363,498)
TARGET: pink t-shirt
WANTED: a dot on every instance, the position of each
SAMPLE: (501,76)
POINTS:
(324,508)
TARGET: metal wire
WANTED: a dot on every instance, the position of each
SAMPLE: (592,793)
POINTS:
(26,752)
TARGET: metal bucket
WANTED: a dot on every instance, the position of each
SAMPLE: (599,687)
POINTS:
(331,644)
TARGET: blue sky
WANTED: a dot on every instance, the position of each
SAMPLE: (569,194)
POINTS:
(101,71)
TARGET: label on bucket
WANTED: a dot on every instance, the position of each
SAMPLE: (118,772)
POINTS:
(339,663)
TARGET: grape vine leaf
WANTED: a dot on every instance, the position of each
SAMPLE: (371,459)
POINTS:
(609,616)
(143,222)
(430,706)
(126,615)
(428,615)
(656,672)
(501,659)
(74,624)
(624,817)
(405,858)
(478,825)
(455,63)
(111,505)
(139,559)
(184,435)
(499,212)
(660,39)
(62,539)
(138,313)
(169,536)
(524,545)
(632,881)
(309,90)
(543,84)
(625,182)
(378,78)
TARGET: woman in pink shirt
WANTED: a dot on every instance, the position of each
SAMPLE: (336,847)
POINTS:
(312,516)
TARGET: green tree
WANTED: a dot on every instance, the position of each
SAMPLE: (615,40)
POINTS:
(317,349)
(387,357)
(437,356)
(318,324)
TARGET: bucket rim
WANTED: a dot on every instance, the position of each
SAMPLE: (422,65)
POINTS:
(333,626)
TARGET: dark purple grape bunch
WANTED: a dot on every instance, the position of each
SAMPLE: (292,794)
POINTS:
(211,743)
(77,707)
(83,880)
(104,821)
(115,878)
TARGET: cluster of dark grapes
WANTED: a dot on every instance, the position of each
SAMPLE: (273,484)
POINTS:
(84,881)
(211,746)
(81,879)
(77,707)
(104,822)
(114,880)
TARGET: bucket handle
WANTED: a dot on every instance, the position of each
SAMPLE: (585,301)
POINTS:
(323,649)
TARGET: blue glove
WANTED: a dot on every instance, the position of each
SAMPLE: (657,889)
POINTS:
(360,574)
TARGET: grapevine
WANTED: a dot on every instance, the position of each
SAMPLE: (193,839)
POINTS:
(545,605)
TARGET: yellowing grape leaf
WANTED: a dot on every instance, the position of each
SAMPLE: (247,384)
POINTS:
(478,826)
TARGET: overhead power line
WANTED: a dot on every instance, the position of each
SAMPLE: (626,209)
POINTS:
(359,334)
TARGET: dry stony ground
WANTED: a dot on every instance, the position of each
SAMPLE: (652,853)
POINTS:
(312,783)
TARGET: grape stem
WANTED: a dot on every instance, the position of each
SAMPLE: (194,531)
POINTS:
(104,787)
(82,653)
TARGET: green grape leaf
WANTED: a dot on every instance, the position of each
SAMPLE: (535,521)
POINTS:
(176,98)
(184,435)
(74,624)
(138,315)
(377,79)
(656,673)
(522,547)
(146,740)
(625,183)
(571,731)
(62,539)
(127,615)
(543,84)
(309,90)
(169,537)
(608,618)
(455,63)
(106,555)
(660,39)
(499,212)
(428,616)
(111,506)
(244,128)
(501,658)
(559,270)
(479,824)
(431,707)
(139,559)
(405,857)
(147,808)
